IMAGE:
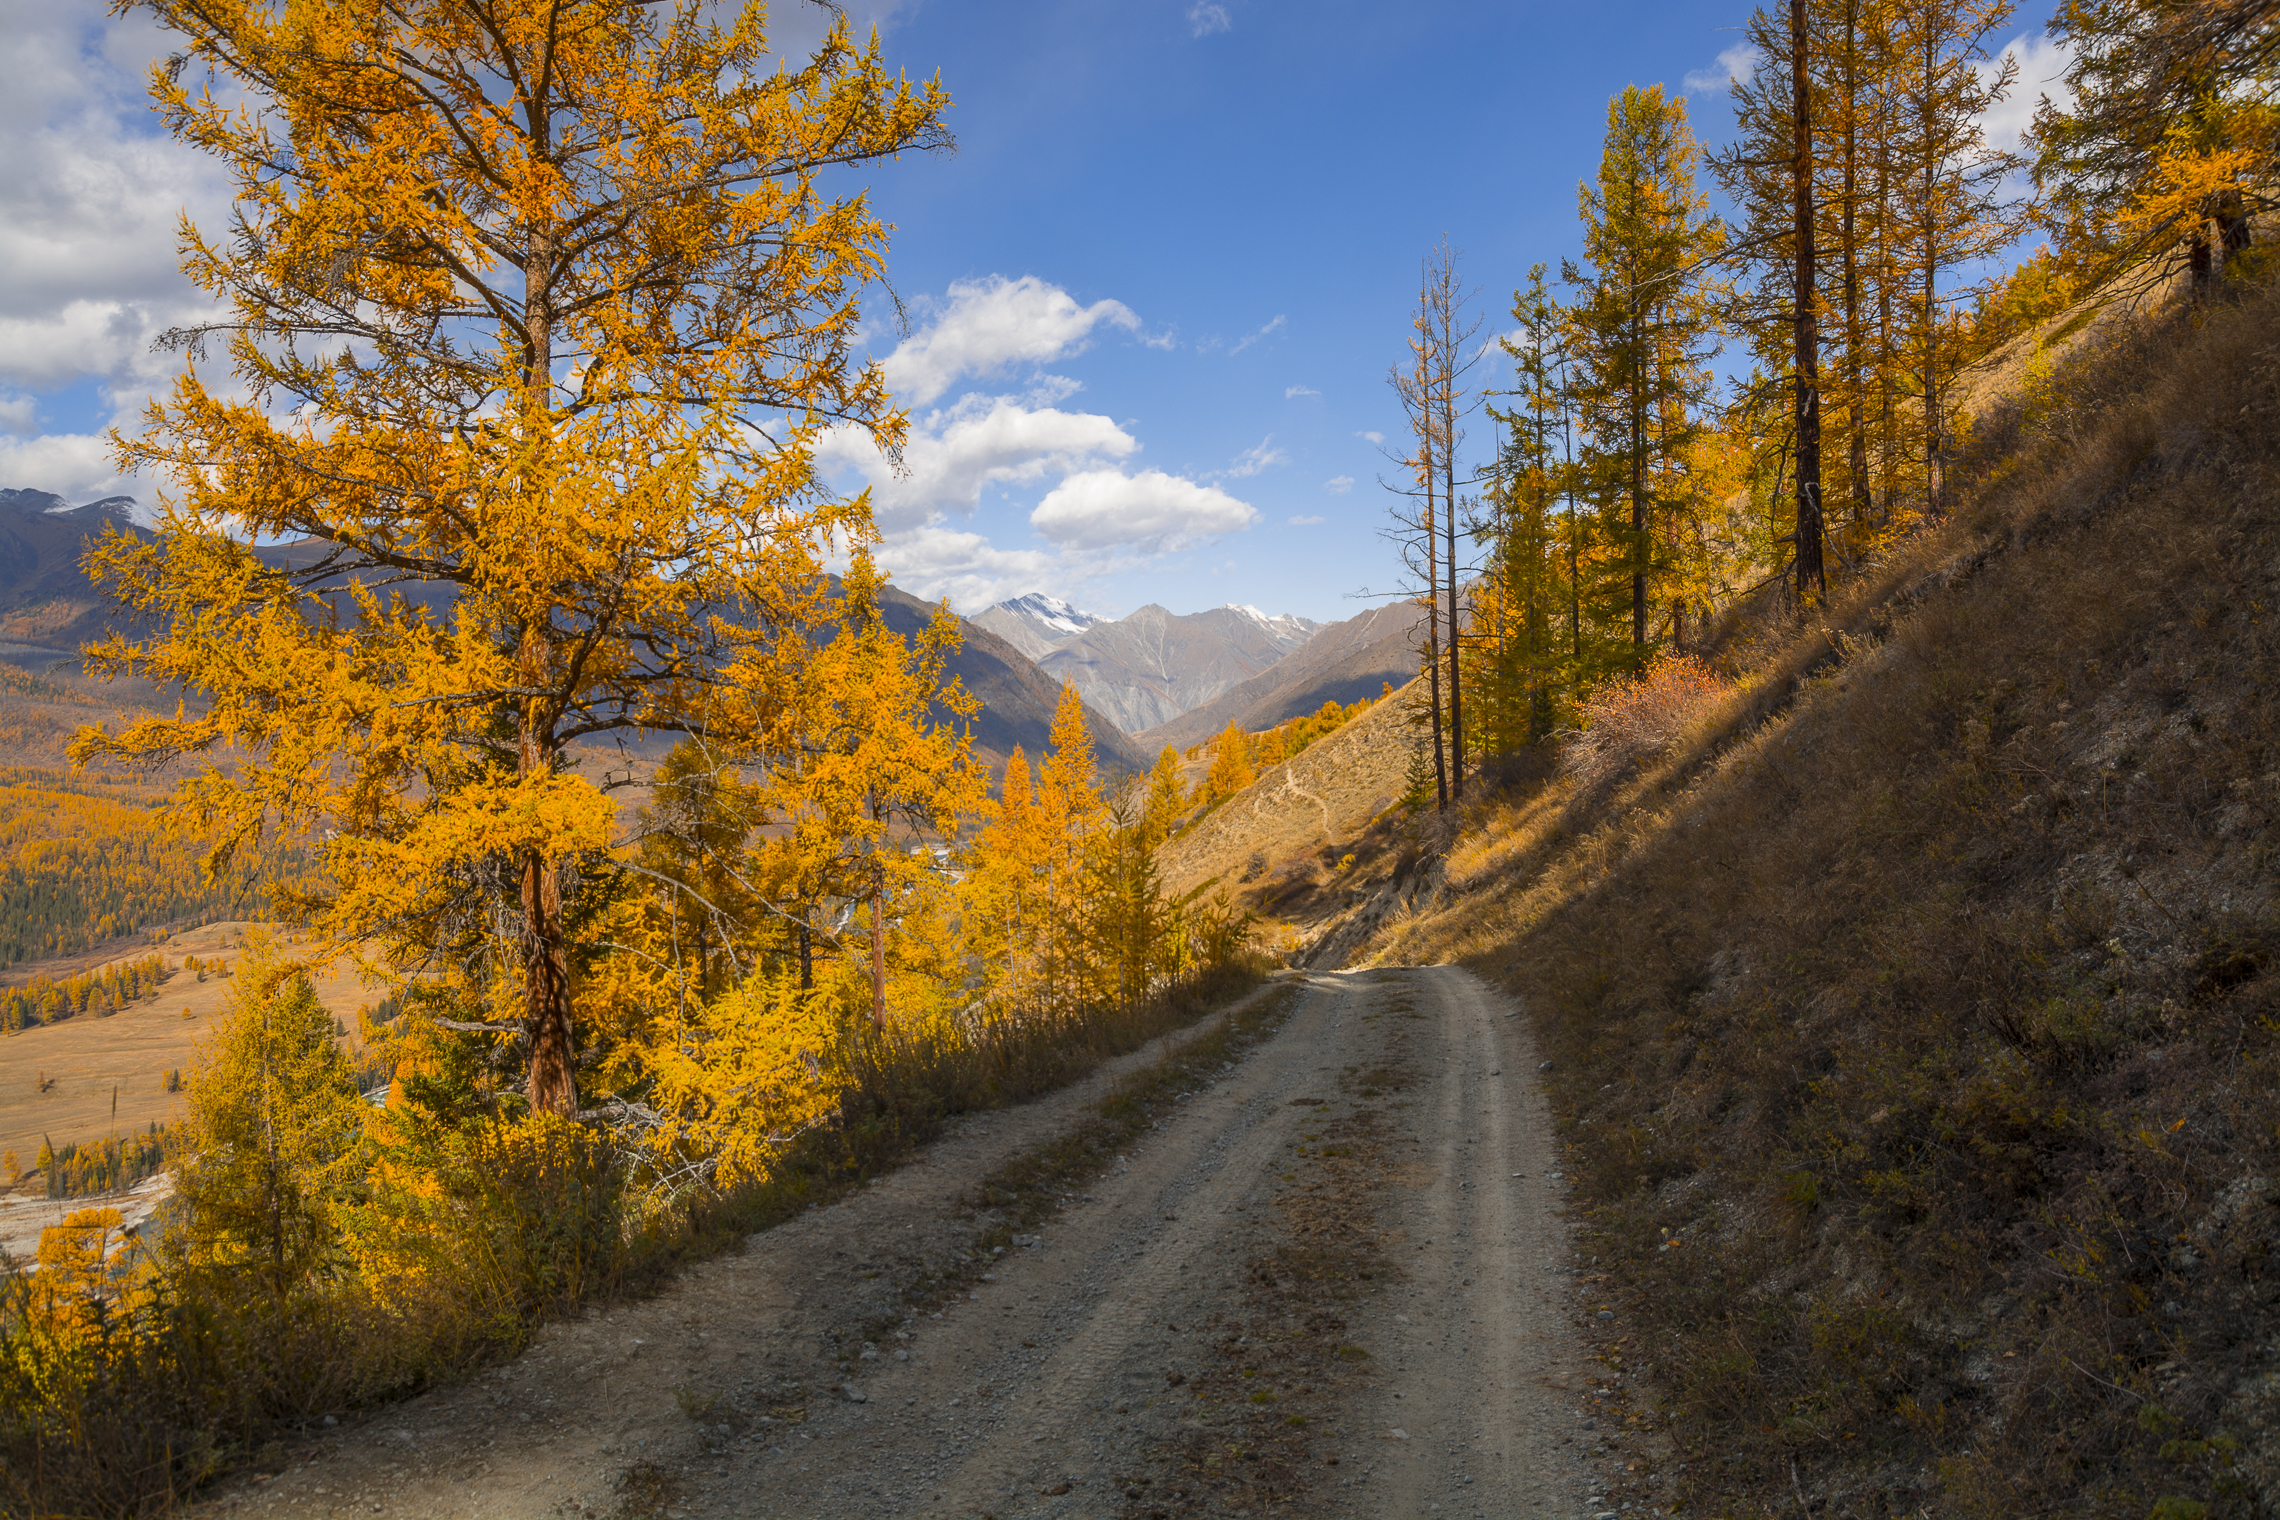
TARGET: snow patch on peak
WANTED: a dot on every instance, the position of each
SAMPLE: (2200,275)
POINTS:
(1052,612)
(1284,624)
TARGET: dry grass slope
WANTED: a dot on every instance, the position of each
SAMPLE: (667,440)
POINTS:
(1327,793)
(1914,1020)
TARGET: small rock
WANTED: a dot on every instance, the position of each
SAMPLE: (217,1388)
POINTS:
(1543,1066)
(855,1395)
(1607,1314)
(1400,1435)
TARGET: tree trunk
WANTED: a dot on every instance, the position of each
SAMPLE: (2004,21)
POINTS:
(1811,578)
(807,956)
(1449,528)
(545,957)
(1433,619)
(878,954)
(546,990)
(1641,549)
(1856,455)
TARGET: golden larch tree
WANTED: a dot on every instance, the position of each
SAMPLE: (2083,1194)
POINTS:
(532,310)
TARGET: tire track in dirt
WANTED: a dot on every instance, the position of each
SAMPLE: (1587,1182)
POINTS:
(1315,1286)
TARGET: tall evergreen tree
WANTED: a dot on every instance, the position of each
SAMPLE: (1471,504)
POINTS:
(1643,322)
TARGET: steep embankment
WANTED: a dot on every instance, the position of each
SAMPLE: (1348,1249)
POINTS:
(1913,1019)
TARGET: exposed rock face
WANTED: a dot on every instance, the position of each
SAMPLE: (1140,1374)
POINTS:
(1149,668)
(1343,662)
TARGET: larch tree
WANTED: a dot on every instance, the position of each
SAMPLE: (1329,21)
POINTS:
(1433,395)
(1164,800)
(1950,207)
(533,310)
(1526,590)
(1642,320)
(2171,131)
(874,773)
(1231,764)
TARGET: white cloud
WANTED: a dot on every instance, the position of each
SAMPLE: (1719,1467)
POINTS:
(1206,17)
(90,191)
(1265,332)
(1734,66)
(1372,437)
(1262,456)
(1051,390)
(952,455)
(2041,61)
(1293,392)
(75,466)
(1304,522)
(1150,513)
(988,325)
(1339,484)
(934,561)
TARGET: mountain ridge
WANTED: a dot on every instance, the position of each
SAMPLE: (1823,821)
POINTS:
(1147,669)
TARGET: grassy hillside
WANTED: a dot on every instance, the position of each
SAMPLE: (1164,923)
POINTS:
(1914,1014)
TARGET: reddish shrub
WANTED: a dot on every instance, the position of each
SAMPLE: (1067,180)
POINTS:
(1639,718)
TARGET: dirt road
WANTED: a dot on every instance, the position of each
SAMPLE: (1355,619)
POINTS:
(1331,1280)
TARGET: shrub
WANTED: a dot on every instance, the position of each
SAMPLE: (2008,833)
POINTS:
(1640,718)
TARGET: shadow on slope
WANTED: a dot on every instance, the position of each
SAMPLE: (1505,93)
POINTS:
(1914,1018)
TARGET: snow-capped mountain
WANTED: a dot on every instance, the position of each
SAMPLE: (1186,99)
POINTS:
(1286,628)
(1036,624)
(1149,668)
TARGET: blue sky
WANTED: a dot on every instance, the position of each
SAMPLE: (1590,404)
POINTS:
(1154,293)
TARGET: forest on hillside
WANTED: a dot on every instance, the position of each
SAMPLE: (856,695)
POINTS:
(86,863)
(1878,255)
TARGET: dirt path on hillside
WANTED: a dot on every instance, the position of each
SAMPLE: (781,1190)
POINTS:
(1333,1282)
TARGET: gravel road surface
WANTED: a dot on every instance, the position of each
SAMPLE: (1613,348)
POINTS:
(1332,1279)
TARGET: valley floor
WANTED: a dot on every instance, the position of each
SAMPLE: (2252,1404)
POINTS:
(1336,1282)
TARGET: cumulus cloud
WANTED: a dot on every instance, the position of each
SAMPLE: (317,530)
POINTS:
(1267,331)
(1293,392)
(1206,17)
(1372,437)
(952,455)
(989,325)
(75,466)
(2041,62)
(936,561)
(1148,513)
(89,196)
(1338,485)
(1304,522)
(1261,456)
(1735,66)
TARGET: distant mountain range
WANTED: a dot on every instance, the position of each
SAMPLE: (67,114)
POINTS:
(1151,667)
(1343,662)
(1173,678)
(48,607)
